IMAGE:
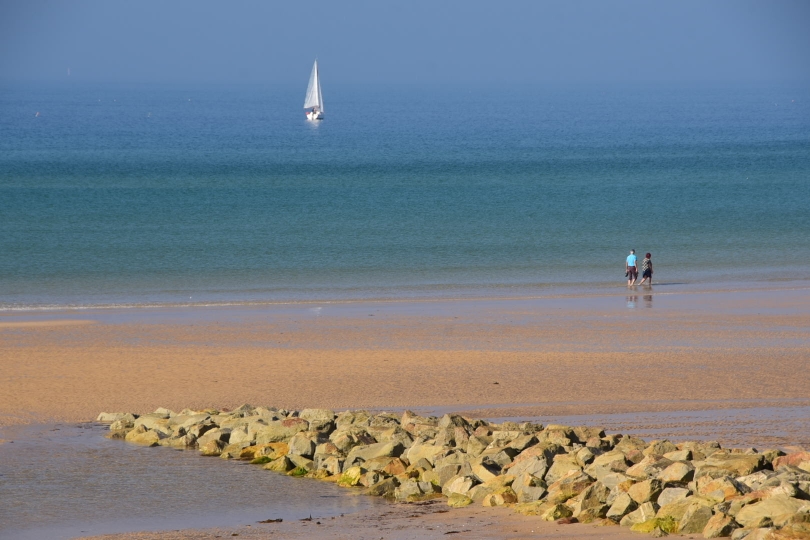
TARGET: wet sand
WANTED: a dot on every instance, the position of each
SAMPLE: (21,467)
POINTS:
(580,356)
(417,521)
(635,354)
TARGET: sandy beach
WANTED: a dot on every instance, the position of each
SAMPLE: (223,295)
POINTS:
(585,356)
(501,358)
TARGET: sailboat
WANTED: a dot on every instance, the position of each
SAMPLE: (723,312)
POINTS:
(313,103)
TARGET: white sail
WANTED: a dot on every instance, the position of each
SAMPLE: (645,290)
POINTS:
(314,97)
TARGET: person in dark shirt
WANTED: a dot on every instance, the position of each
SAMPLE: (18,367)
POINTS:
(646,269)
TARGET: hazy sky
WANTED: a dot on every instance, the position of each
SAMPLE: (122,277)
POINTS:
(382,41)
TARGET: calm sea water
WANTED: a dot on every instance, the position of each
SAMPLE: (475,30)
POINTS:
(155,194)
(68,481)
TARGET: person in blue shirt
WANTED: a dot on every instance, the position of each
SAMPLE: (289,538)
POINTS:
(630,268)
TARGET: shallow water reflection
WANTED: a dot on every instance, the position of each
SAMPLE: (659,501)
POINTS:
(67,480)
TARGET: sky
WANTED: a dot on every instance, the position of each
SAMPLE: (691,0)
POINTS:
(411,41)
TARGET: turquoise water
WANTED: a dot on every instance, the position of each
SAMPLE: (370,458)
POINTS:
(119,195)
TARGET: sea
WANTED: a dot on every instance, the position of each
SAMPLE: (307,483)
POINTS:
(175,195)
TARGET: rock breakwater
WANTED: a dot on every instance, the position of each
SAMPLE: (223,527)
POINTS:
(555,472)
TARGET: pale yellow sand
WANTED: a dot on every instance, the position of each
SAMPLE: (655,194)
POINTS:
(40,324)
(557,360)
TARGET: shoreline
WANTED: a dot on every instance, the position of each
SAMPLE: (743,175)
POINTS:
(551,292)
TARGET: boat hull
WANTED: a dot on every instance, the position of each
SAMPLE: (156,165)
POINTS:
(312,115)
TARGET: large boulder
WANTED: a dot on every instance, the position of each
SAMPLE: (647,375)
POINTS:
(320,420)
(501,458)
(301,464)
(522,442)
(671,495)
(649,467)
(360,454)
(755,480)
(122,423)
(392,434)
(352,418)
(607,463)
(721,489)
(212,448)
(659,448)
(534,460)
(185,421)
(694,520)
(154,422)
(303,443)
(614,479)
(107,417)
(270,450)
(384,488)
(643,513)
(456,500)
(632,448)
(240,435)
(331,464)
(557,434)
(233,450)
(700,449)
(222,435)
(676,510)
(485,470)
(460,485)
(144,437)
(395,467)
(771,508)
(412,490)
(346,438)
(476,445)
(591,504)
(734,465)
(656,527)
(622,505)
(423,450)
(585,433)
(351,476)
(201,428)
(500,497)
(452,421)
(719,526)
(679,472)
(562,465)
(795,459)
(532,465)
(180,441)
(645,491)
(528,488)
(570,485)
(441,475)
(679,455)
(553,512)
(586,455)
(281,430)
(280,465)
(268,414)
